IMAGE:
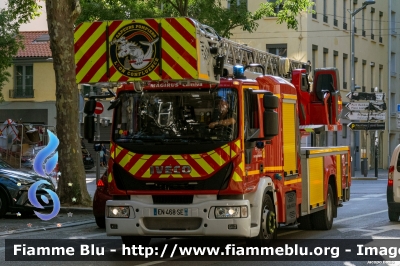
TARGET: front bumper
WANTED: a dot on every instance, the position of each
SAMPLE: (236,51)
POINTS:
(200,220)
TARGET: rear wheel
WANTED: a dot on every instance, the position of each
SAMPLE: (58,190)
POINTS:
(268,229)
(393,216)
(136,240)
(3,204)
(323,220)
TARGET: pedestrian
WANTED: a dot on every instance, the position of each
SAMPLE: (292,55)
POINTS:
(104,157)
(101,155)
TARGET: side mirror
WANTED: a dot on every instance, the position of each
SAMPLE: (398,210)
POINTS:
(271,121)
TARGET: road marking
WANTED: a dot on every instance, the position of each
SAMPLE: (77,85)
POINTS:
(151,263)
(89,180)
(291,232)
(358,216)
(84,237)
(374,196)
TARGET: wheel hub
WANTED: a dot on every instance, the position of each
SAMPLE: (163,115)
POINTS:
(269,223)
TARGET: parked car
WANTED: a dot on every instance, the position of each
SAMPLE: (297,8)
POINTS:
(14,186)
(393,186)
(99,200)
(88,161)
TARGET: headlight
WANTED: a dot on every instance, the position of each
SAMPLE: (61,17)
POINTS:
(118,212)
(231,212)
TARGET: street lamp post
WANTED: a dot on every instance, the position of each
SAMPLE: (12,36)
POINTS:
(352,70)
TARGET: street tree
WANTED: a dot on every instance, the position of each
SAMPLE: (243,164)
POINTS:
(17,12)
(61,16)
(213,13)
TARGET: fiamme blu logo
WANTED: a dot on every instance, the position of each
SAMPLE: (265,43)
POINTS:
(44,163)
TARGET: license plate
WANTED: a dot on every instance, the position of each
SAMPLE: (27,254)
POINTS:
(87,159)
(171,212)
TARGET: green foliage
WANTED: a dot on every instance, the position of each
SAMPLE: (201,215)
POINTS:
(213,13)
(16,13)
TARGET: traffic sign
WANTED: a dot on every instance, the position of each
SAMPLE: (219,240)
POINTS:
(99,108)
(366,96)
(366,126)
(360,106)
(365,116)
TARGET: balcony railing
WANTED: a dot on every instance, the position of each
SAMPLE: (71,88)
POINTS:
(314,16)
(325,19)
(372,36)
(335,22)
(364,33)
(344,85)
(21,93)
(380,39)
(363,88)
(344,25)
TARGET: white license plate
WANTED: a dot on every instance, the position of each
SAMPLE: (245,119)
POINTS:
(171,212)
(87,159)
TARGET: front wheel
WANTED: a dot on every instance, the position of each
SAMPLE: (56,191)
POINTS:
(3,204)
(323,220)
(136,240)
(268,229)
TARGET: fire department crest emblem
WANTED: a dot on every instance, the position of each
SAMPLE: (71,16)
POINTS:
(134,50)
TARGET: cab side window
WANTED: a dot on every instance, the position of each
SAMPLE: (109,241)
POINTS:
(251,114)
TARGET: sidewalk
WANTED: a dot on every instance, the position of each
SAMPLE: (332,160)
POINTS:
(382,174)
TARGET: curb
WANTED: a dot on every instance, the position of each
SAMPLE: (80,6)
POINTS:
(364,178)
(77,209)
(44,228)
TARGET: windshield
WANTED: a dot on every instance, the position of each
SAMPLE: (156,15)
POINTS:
(192,116)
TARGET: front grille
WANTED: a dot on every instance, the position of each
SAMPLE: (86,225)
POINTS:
(172,199)
(172,223)
(126,181)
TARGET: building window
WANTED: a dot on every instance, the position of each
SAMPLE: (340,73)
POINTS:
(393,64)
(314,8)
(238,3)
(344,71)
(325,18)
(325,55)
(380,26)
(344,15)
(277,49)
(335,56)
(364,63)
(314,56)
(277,7)
(372,22)
(363,22)
(335,22)
(393,22)
(23,81)
(372,76)
(380,77)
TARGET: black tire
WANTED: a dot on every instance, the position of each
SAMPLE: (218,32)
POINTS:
(323,220)
(393,216)
(136,240)
(305,222)
(268,228)
(3,204)
(100,221)
(27,213)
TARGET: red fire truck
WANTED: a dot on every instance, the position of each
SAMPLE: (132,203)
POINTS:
(200,145)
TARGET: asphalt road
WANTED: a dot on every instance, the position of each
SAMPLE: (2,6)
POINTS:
(363,218)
